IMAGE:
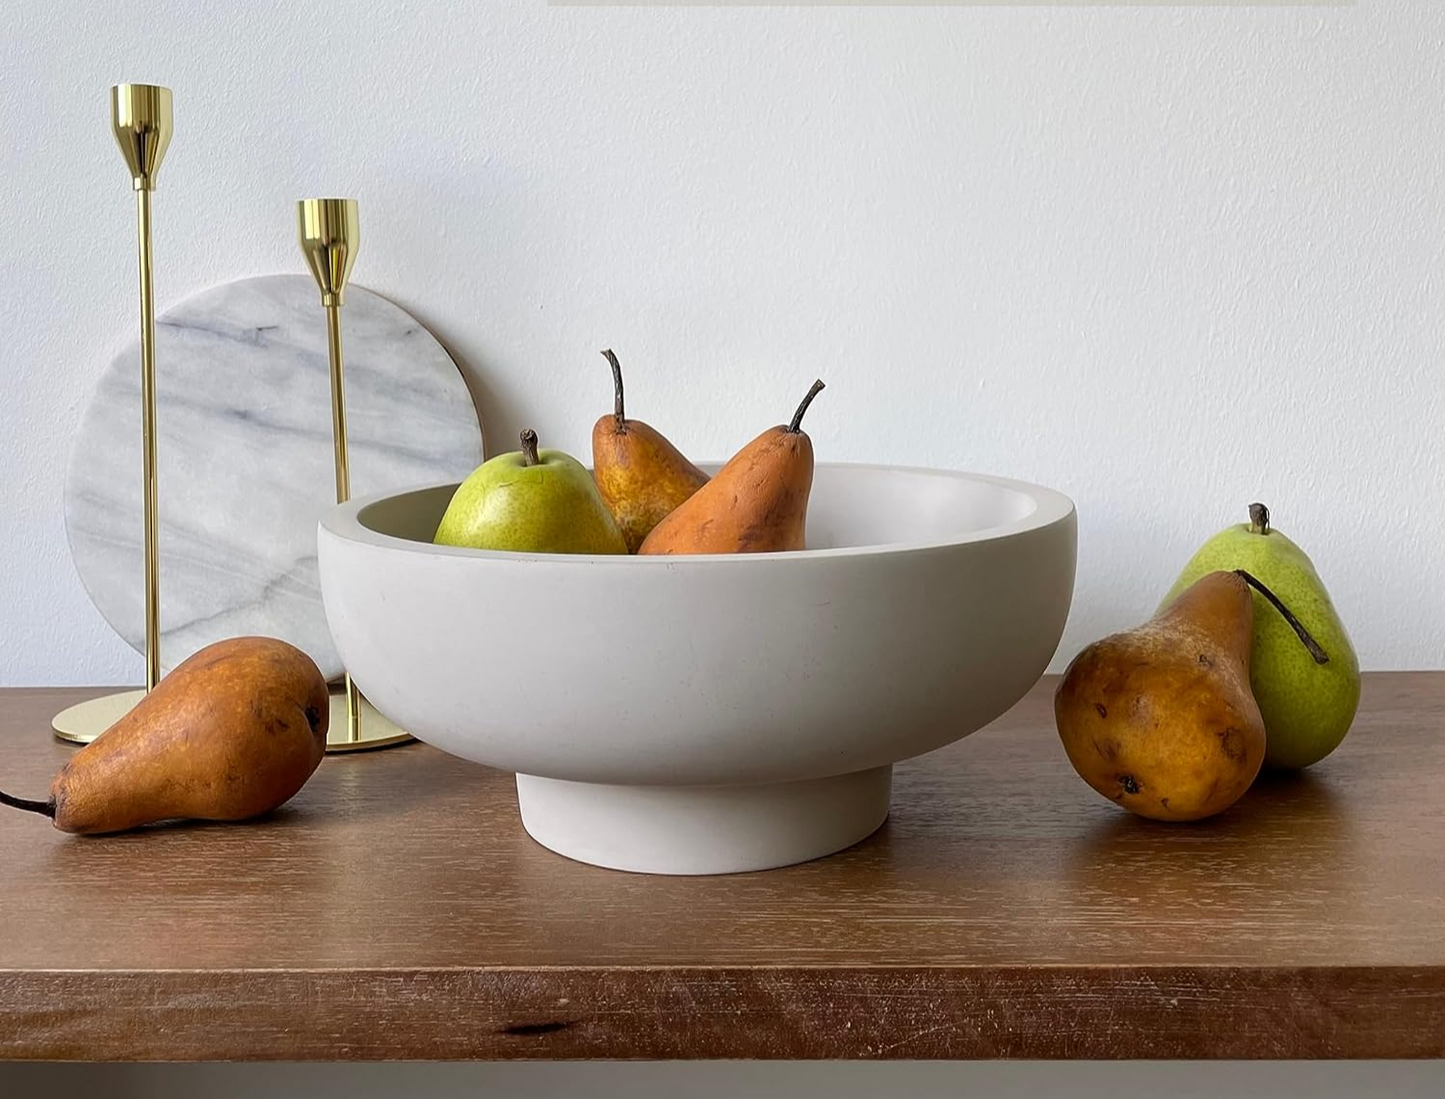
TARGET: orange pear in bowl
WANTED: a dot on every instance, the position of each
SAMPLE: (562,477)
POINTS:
(757,503)
(642,477)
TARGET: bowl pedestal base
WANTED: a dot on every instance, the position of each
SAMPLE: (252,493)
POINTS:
(703,829)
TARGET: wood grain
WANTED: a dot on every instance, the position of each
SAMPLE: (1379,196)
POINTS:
(396,909)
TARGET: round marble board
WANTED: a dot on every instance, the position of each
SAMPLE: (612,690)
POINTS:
(244,458)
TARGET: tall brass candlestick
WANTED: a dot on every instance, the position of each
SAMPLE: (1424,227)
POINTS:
(329,232)
(141,120)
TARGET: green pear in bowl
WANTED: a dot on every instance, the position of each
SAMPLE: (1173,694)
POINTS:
(530,501)
(1307,702)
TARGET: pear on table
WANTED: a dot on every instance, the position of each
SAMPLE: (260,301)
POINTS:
(757,503)
(233,732)
(530,501)
(643,478)
(1307,706)
(1161,719)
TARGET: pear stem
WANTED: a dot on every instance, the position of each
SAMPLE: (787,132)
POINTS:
(1258,519)
(44,808)
(529,448)
(1306,638)
(617,413)
(798,415)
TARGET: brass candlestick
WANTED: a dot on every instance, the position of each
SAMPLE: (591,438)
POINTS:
(329,232)
(141,120)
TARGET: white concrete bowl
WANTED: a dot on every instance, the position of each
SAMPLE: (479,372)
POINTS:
(699,715)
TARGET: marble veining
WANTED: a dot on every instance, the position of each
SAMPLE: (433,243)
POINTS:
(243,416)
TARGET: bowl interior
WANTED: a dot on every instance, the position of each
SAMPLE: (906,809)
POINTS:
(877,506)
(851,506)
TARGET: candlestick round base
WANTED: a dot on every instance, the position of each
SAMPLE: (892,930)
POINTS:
(377,730)
(83,722)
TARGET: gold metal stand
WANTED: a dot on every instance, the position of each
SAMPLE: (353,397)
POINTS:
(83,722)
(141,120)
(375,729)
(329,232)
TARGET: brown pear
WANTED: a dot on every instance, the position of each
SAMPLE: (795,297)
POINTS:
(641,475)
(1161,719)
(757,503)
(231,733)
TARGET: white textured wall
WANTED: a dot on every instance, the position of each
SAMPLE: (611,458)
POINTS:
(1165,260)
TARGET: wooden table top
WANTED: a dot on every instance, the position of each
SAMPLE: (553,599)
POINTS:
(396,909)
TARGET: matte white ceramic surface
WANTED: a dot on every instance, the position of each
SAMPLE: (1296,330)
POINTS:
(243,415)
(689,692)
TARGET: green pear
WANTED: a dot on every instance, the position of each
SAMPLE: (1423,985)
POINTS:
(1307,704)
(530,501)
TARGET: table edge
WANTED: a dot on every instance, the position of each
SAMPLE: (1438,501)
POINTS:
(702,1012)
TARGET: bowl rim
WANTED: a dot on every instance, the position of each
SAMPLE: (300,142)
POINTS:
(1050,508)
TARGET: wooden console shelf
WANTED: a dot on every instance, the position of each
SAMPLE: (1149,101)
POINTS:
(396,909)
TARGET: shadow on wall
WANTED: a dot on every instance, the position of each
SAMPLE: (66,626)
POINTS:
(496,420)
